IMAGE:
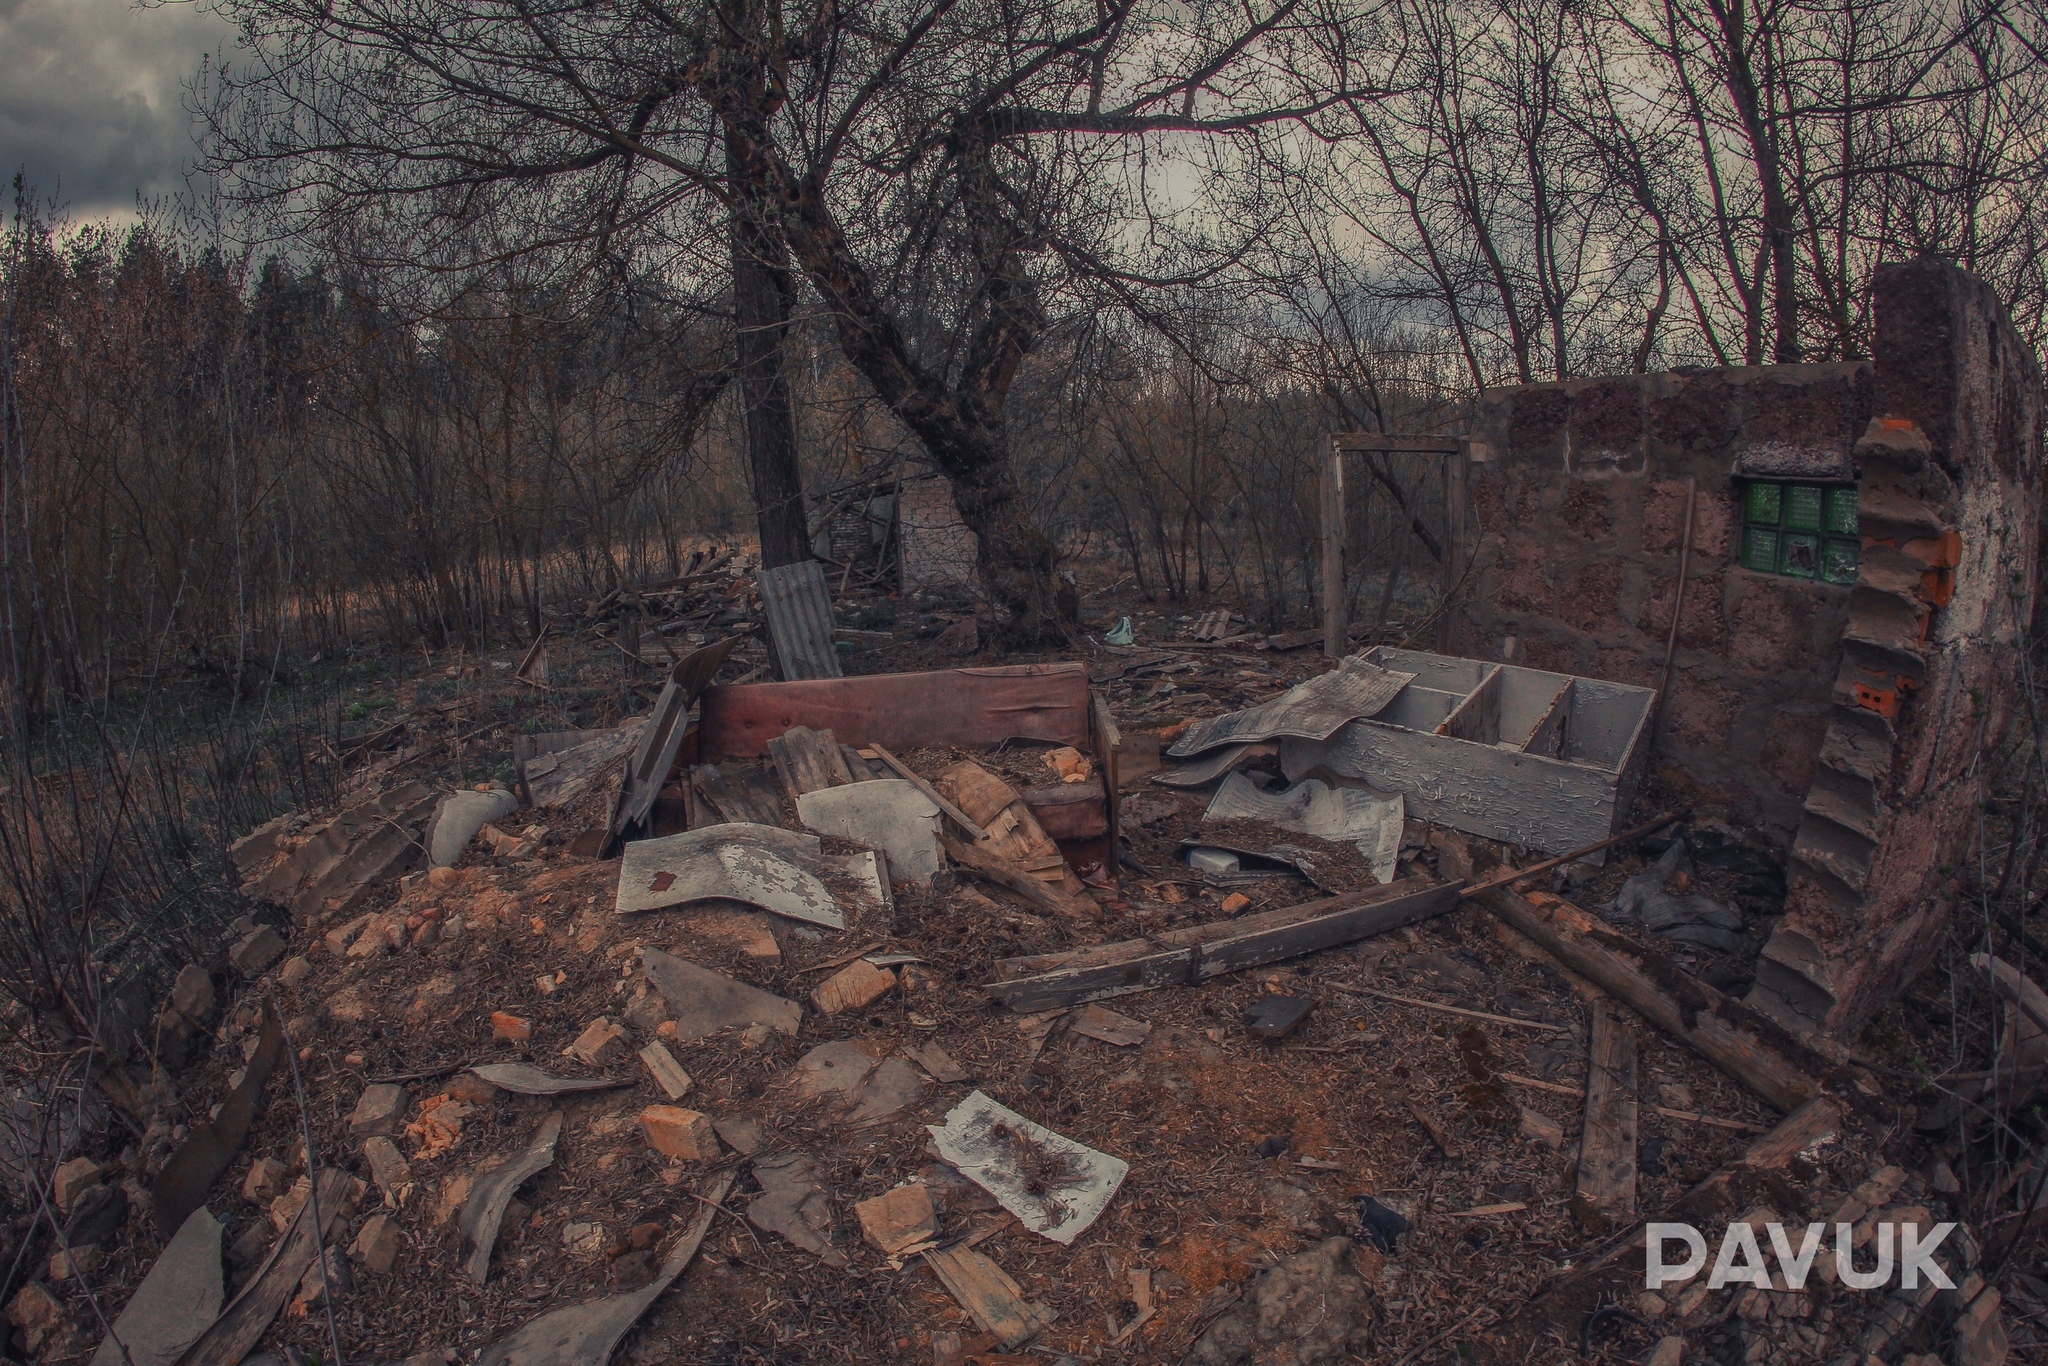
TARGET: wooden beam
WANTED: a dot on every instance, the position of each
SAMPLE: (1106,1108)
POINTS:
(1743,1043)
(1200,952)
(1606,1195)
(1336,626)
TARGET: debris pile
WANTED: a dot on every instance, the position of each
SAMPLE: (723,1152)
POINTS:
(682,1043)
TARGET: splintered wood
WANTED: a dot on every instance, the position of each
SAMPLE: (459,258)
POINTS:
(1606,1194)
(808,760)
(1014,835)
(986,1291)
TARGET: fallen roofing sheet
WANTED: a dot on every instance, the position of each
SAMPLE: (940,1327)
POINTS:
(1313,710)
(1369,820)
(777,870)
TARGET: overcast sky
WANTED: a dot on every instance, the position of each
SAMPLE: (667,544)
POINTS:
(92,98)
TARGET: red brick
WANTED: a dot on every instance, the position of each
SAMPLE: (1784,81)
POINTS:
(677,1132)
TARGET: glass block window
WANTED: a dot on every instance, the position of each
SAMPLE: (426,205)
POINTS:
(1803,531)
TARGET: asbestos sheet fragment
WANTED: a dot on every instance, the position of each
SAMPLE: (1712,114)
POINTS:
(1054,1186)
(527,1080)
(760,865)
(793,1204)
(702,1002)
(586,1334)
(888,814)
(177,1300)
(484,1210)
(1208,767)
(457,819)
(1314,710)
(1370,820)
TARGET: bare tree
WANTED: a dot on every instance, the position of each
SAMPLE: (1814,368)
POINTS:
(935,170)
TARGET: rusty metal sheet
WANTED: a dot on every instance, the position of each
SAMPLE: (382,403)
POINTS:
(968,708)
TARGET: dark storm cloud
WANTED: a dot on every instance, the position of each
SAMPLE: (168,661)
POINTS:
(91,97)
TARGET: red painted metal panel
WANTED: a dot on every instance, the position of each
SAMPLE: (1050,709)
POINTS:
(970,708)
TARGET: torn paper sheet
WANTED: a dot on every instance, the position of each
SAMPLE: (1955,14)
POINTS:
(1359,816)
(1314,710)
(1053,1185)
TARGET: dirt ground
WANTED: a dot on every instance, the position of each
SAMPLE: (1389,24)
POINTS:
(1243,1152)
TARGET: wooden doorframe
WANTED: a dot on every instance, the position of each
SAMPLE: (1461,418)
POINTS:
(1456,451)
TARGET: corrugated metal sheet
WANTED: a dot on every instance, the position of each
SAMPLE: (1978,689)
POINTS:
(798,606)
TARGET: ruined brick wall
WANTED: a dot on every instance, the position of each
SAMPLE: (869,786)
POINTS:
(1858,720)
(1930,660)
(1575,518)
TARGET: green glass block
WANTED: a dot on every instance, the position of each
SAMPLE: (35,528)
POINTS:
(1761,504)
(1799,554)
(1760,549)
(1838,556)
(1840,516)
(1802,507)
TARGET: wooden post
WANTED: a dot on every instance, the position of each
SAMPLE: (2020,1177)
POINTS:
(1454,543)
(1336,626)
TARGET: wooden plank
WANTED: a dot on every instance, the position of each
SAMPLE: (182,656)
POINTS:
(1330,487)
(1551,735)
(860,770)
(965,708)
(810,758)
(1734,1037)
(1477,718)
(1046,895)
(798,605)
(1195,954)
(938,799)
(1306,930)
(737,794)
(987,1293)
(1605,1197)
(1111,758)
(1162,966)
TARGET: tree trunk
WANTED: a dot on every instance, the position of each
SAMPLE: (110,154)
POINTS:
(762,293)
